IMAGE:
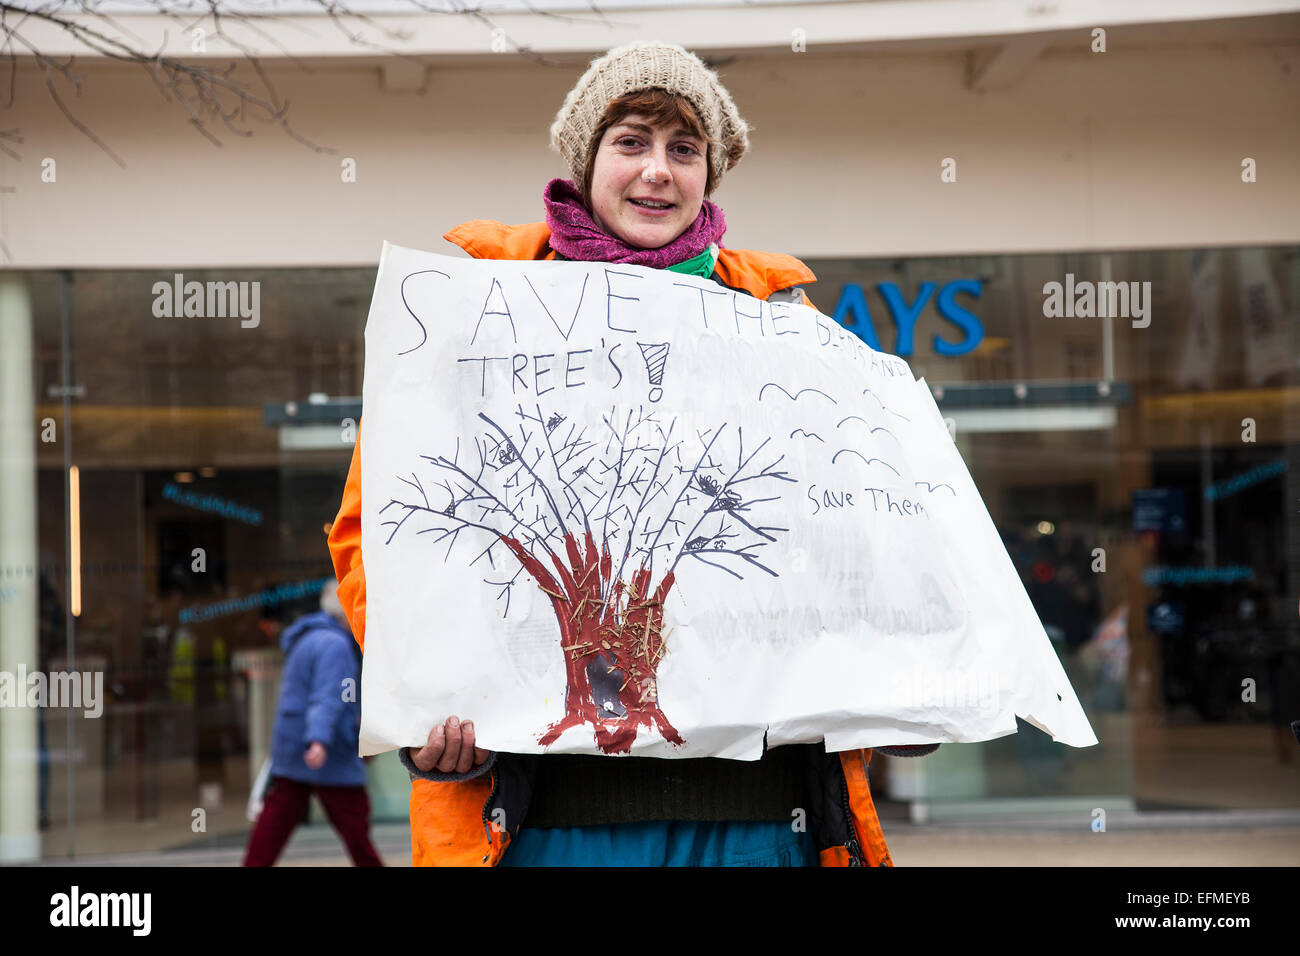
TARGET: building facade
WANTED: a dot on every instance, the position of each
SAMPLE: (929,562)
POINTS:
(1091,255)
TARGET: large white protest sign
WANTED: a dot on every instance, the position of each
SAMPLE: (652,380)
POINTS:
(609,509)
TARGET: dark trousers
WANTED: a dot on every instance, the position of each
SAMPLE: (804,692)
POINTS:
(285,806)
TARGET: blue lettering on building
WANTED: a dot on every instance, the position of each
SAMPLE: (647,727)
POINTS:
(853,313)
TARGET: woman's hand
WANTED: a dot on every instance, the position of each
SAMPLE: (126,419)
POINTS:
(450,748)
(316,755)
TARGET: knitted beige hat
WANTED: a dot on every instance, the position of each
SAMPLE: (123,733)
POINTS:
(638,66)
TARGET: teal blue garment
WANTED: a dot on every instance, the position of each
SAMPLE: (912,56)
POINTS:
(663,843)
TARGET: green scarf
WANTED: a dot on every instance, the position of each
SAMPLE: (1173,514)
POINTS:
(702,265)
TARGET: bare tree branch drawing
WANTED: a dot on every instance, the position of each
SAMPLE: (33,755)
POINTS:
(600,523)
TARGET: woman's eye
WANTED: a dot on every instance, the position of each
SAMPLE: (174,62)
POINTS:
(629,142)
(687,149)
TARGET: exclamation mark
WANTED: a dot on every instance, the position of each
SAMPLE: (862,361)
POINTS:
(656,357)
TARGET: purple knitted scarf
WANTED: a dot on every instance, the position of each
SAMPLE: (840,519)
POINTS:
(575,234)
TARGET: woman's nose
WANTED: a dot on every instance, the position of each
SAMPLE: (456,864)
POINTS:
(654,169)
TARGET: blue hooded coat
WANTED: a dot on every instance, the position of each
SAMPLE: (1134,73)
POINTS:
(317,705)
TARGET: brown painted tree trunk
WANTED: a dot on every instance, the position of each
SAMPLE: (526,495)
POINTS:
(612,639)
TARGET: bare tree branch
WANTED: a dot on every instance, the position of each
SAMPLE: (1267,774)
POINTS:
(209,94)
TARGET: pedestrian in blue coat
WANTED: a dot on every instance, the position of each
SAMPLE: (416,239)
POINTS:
(314,744)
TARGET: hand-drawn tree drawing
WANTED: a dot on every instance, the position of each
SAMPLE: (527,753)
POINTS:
(600,523)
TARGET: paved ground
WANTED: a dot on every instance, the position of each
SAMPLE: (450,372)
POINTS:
(1138,840)
(943,846)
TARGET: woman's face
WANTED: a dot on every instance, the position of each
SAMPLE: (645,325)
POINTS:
(647,182)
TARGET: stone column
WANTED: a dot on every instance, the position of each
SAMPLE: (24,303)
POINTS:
(20,836)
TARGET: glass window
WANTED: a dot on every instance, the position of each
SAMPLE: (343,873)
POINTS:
(1136,446)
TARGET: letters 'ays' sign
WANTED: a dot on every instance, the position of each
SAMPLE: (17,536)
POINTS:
(608,509)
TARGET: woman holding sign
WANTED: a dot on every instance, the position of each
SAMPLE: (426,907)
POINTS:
(647,133)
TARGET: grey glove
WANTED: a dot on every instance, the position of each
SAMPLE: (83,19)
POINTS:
(404,755)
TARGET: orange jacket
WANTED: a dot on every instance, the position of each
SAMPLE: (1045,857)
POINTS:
(450,820)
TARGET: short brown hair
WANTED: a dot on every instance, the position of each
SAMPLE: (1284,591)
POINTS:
(662,108)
